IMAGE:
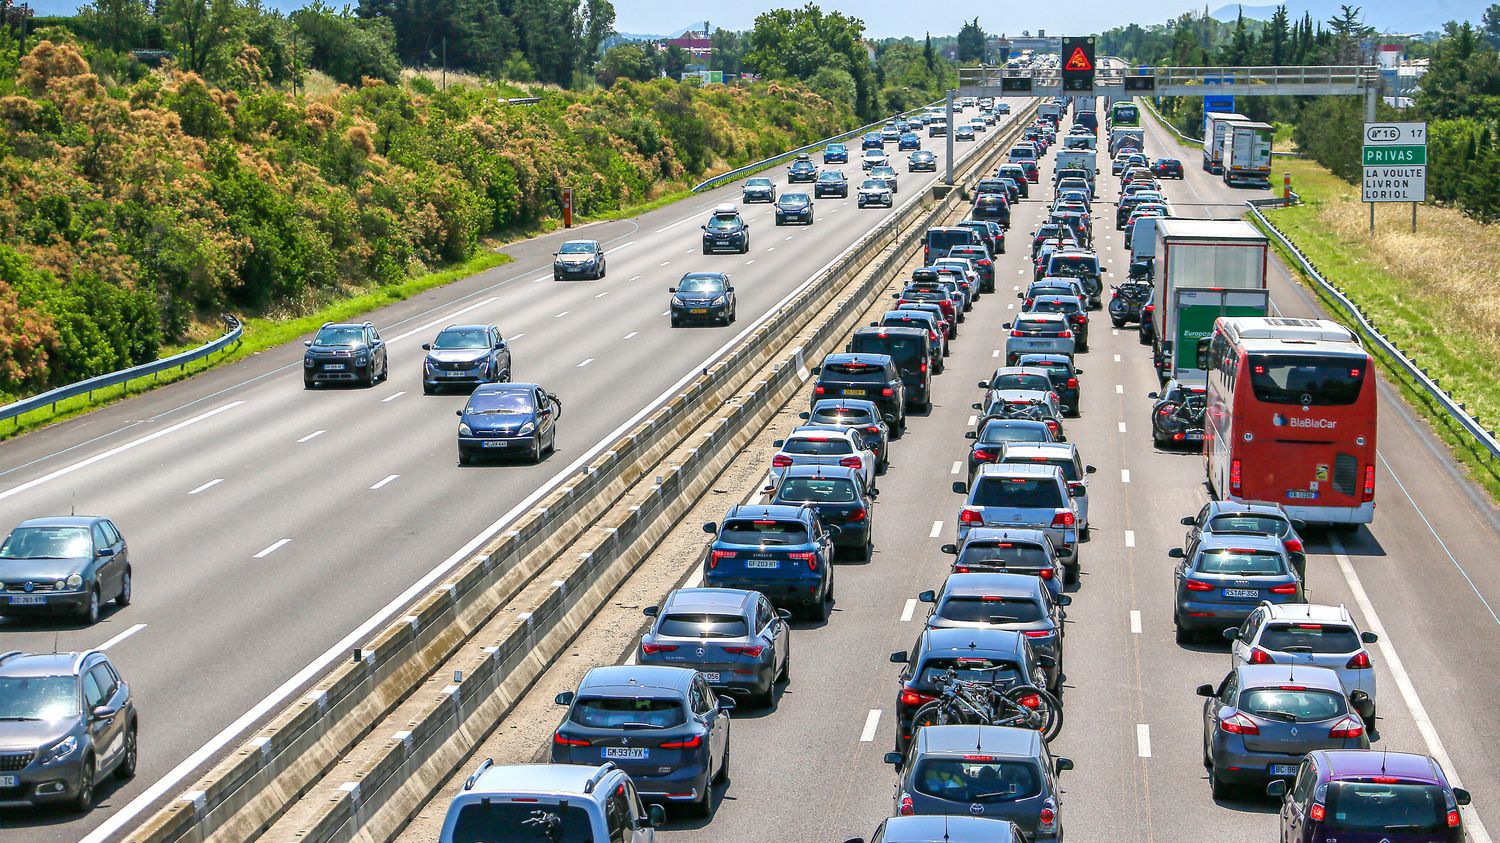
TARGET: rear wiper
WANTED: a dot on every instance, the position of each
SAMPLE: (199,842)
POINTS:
(641,726)
(1276,715)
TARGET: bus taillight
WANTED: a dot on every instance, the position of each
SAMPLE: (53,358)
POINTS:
(1236,480)
(1368,494)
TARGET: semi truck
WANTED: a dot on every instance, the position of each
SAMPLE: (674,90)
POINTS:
(1215,127)
(1084,114)
(1212,256)
(1050,109)
(1088,159)
(1124,136)
(1247,154)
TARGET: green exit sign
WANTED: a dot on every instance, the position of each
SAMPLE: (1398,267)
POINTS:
(1395,156)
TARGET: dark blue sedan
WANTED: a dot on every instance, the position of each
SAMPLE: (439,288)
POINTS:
(508,418)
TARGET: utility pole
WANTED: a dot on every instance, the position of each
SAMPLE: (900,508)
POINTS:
(948,180)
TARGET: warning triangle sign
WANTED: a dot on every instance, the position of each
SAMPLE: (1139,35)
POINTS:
(1079,60)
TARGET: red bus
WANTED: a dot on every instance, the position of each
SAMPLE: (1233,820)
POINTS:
(1290,417)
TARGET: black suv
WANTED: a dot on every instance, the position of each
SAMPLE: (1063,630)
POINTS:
(802,170)
(872,377)
(911,352)
(345,353)
(726,231)
(67,720)
(831,183)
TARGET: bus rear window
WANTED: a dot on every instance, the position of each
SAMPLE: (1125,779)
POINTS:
(1309,381)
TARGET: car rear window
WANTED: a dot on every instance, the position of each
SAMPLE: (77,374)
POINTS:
(975,668)
(856,372)
(1041,326)
(1375,807)
(523,822)
(997,432)
(1022,381)
(618,712)
(821,446)
(1022,152)
(1018,492)
(1055,306)
(1309,381)
(1068,466)
(901,349)
(845,416)
(941,240)
(971,780)
(993,609)
(1298,705)
(1073,266)
(1247,562)
(1005,554)
(702,626)
(816,490)
(1309,638)
(767,531)
(1265,525)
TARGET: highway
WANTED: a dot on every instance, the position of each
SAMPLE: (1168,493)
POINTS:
(812,769)
(271,528)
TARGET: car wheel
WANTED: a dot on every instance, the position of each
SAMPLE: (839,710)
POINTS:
(126,588)
(89,614)
(1179,634)
(126,770)
(1217,786)
(536,449)
(84,801)
(723,774)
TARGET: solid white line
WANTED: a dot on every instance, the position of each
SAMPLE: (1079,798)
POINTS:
(909,610)
(937,527)
(1130,538)
(206,486)
(626,245)
(444,321)
(1124,475)
(121,637)
(957,467)
(1135,621)
(314,435)
(275,546)
(1143,740)
(388,479)
(1122,427)
(1119,389)
(870,723)
(115,451)
(390,398)
(631,334)
(561,315)
(1435,748)
(540,278)
(584,363)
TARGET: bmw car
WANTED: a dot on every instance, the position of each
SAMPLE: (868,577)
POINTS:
(802,170)
(831,183)
(465,355)
(921,161)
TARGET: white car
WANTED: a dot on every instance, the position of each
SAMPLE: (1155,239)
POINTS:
(823,445)
(874,158)
(978,124)
(875,192)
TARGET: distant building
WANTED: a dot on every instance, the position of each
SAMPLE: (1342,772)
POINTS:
(695,43)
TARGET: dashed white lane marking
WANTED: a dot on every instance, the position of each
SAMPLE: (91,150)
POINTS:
(770,248)
(1124,475)
(389,398)
(629,335)
(748,262)
(121,637)
(516,337)
(1404,684)
(1130,538)
(957,467)
(1119,389)
(1135,621)
(275,546)
(634,277)
(1143,740)
(585,363)
(540,278)
(206,486)
(937,527)
(602,295)
(1122,427)
(664,263)
(688,252)
(995,353)
(666,313)
(566,312)
(909,610)
(1011,306)
(870,723)
(1117,358)
(314,435)
(973,420)
(1114,332)
(388,478)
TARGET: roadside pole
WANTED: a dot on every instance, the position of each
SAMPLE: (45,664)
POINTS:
(948,180)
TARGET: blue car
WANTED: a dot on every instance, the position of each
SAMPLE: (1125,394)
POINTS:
(508,418)
(835,153)
(909,141)
(781,551)
(872,140)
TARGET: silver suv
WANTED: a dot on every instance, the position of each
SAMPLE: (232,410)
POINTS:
(572,802)
(1029,495)
(67,720)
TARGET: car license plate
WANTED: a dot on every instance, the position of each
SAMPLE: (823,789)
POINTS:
(1244,593)
(496,444)
(334,367)
(9,781)
(1301,494)
(854,392)
(28,600)
(711,677)
(761,563)
(698,310)
(626,752)
(455,374)
(1194,437)
(1283,769)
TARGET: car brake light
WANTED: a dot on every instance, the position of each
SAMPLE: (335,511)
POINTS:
(1080,318)
(887,392)
(970,516)
(819,389)
(906,806)
(1294,545)
(1047,817)
(781,461)
(1239,724)
(1317,812)
(932,335)
(1046,573)
(559,740)
(872,429)
(910,697)
(1385,780)
(1065,334)
(752,651)
(1038,633)
(981,454)
(810,558)
(715,557)
(857,515)
(691,743)
(1017,334)
(1072,383)
(1064,519)
(1236,479)
(1053,427)
(922,368)
(1259,656)
(652,649)
(1197,585)
(1454,819)
(1359,661)
(1289,588)
(852,462)
(1347,728)
(1368,494)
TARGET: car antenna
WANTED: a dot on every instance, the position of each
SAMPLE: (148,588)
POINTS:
(54,643)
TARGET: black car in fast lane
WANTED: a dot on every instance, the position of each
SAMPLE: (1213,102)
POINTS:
(705,297)
(802,170)
(831,183)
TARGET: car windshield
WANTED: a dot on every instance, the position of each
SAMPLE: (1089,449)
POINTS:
(816,490)
(758,183)
(764,531)
(347,335)
(971,780)
(577,247)
(1309,638)
(47,543)
(1004,431)
(702,626)
(1021,381)
(1005,555)
(992,609)
(873,184)
(818,446)
(1244,522)
(38,697)
(496,821)
(512,402)
(723,223)
(830,175)
(1019,492)
(1387,808)
(794,200)
(624,712)
(701,284)
(1309,381)
(975,668)
(1292,704)
(1243,562)
(463,338)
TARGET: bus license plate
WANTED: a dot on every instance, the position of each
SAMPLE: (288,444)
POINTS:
(1283,769)
(760,563)
(626,752)
(1245,593)
(28,600)
(1301,494)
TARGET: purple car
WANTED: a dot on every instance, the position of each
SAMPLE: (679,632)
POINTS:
(1369,796)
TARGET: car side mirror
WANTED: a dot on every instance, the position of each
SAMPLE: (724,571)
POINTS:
(969,434)
(704,227)
(1462,796)
(106,551)
(565,698)
(459,413)
(899,657)
(1064,600)
(1176,553)
(1276,788)
(1089,469)
(1368,637)
(656,816)
(1207,691)
(928,596)
(1077,491)
(1062,764)
(777,443)
(1006,326)
(895,295)
(426,346)
(1153,395)
(874,493)
(671,289)
(784,614)
(651,611)
(960,487)
(727,704)
(1046,661)
(307,343)
(1077,371)
(894,759)
(1232,633)
(1187,521)
(1362,705)
(104,712)
(976,406)
(816,370)
(950,549)
(711,528)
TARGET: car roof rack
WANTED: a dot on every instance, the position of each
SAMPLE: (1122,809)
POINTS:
(604,769)
(10,655)
(474,777)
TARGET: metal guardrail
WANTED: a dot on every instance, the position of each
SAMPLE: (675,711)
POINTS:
(16,409)
(1454,408)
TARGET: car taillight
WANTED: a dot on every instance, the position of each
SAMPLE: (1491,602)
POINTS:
(1197,585)
(1037,633)
(981,454)
(906,806)
(1017,334)
(1080,318)
(1454,820)
(1065,334)
(922,368)
(1236,479)
(1368,493)
(970,516)
(819,389)
(653,649)
(1347,728)
(1053,427)
(1072,383)
(1064,519)
(1293,545)
(1289,588)
(1028,303)
(857,515)
(718,555)
(1359,661)
(1259,656)
(781,461)
(1046,818)
(1031,701)
(852,462)
(810,558)
(559,740)
(691,743)
(1045,573)
(872,429)
(1317,812)
(752,651)
(984,262)
(1239,724)
(910,697)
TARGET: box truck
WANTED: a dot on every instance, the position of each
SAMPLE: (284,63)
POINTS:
(1215,126)
(1199,255)
(1124,136)
(1247,154)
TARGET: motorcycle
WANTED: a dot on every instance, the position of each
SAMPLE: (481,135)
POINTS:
(1128,301)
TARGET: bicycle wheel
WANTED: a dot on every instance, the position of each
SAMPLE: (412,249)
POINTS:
(1046,708)
(941,713)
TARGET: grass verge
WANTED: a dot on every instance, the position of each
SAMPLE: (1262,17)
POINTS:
(260,334)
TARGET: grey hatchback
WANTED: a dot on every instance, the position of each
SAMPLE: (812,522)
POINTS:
(997,600)
(67,720)
(68,564)
(734,637)
(988,771)
(1221,579)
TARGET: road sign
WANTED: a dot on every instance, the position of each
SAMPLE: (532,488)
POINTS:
(1016,84)
(1140,83)
(1078,63)
(1395,162)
